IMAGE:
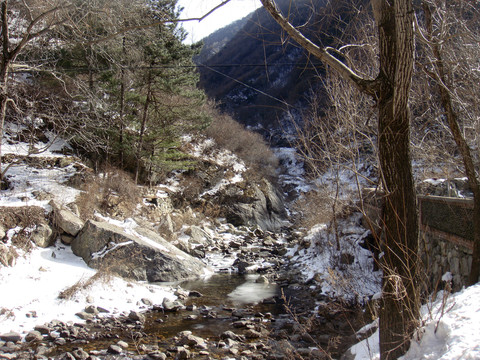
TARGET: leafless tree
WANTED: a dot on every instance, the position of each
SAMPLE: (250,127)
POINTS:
(449,33)
(390,89)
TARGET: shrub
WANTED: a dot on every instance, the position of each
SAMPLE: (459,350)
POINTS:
(247,145)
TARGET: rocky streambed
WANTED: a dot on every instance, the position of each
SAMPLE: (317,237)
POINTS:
(253,308)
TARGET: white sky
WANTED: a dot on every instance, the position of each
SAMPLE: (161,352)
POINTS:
(234,10)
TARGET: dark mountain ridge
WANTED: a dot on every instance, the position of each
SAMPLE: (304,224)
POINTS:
(261,77)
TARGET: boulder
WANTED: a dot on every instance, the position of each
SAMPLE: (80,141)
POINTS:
(2,232)
(141,254)
(42,236)
(66,220)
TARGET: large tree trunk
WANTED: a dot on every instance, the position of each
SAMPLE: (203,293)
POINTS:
(400,306)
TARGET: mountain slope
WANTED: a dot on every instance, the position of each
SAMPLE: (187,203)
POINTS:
(259,73)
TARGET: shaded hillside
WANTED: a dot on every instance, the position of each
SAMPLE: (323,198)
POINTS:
(259,74)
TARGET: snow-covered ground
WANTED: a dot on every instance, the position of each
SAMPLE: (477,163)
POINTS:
(30,290)
(451,331)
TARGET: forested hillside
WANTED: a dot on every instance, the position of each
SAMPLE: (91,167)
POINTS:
(259,74)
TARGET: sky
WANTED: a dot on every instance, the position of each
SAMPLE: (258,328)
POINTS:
(228,13)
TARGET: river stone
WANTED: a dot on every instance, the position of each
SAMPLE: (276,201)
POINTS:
(136,316)
(2,232)
(80,354)
(34,336)
(11,336)
(115,349)
(65,219)
(43,329)
(157,356)
(143,257)
(171,305)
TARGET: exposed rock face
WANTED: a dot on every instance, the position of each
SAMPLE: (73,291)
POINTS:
(260,205)
(141,255)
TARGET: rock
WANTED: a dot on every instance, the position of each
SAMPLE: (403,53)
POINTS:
(171,306)
(192,341)
(146,257)
(7,255)
(66,220)
(262,280)
(11,336)
(199,236)
(84,315)
(34,336)
(68,356)
(194,293)
(66,239)
(136,316)
(147,302)
(42,236)
(80,354)
(91,309)
(123,345)
(262,206)
(157,356)
(182,354)
(253,334)
(42,329)
(60,341)
(232,335)
(115,349)
(2,232)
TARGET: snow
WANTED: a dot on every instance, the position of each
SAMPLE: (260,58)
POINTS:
(354,282)
(30,290)
(451,330)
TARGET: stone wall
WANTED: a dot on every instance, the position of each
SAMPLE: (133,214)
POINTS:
(446,238)
(446,235)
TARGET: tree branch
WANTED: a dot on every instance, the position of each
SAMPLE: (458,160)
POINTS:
(366,85)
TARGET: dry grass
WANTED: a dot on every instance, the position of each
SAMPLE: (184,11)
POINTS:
(247,145)
(114,192)
(103,275)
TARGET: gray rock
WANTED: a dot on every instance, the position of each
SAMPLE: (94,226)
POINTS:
(262,206)
(66,220)
(147,257)
(34,336)
(136,316)
(80,354)
(171,306)
(192,341)
(232,335)
(42,236)
(183,354)
(11,336)
(157,355)
(122,344)
(84,315)
(115,349)
(43,329)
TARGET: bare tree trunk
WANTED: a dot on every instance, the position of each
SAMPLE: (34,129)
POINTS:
(142,130)
(400,306)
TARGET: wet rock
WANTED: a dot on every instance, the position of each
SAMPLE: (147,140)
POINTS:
(232,335)
(60,341)
(11,336)
(34,336)
(194,293)
(43,329)
(123,344)
(115,349)
(183,354)
(157,356)
(67,356)
(136,316)
(253,334)
(80,354)
(171,306)
(192,341)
